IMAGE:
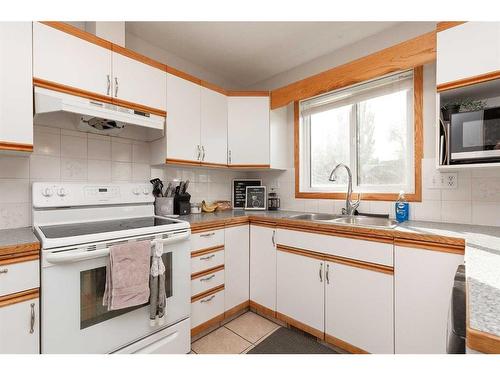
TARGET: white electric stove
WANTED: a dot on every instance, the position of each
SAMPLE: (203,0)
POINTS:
(77,224)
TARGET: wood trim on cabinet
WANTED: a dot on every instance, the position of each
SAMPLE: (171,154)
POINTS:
(303,327)
(336,259)
(14,146)
(248,93)
(206,293)
(213,165)
(213,87)
(20,249)
(406,55)
(236,309)
(418,97)
(182,162)
(197,275)
(208,324)
(344,345)
(19,259)
(265,224)
(14,298)
(468,81)
(444,25)
(75,31)
(262,310)
(207,250)
(433,246)
(138,57)
(183,75)
(203,227)
(482,341)
(237,222)
(250,166)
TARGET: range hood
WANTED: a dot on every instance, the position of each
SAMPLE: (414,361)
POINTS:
(67,111)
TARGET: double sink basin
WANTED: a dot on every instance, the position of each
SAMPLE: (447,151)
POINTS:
(359,220)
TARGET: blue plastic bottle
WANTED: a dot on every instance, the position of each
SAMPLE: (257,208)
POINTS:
(402,208)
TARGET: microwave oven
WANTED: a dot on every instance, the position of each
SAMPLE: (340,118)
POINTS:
(475,136)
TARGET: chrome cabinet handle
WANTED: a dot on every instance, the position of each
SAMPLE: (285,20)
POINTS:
(199,152)
(203,150)
(32,322)
(207,234)
(208,299)
(321,272)
(116,87)
(109,84)
(229,155)
(328,274)
(207,257)
(5,270)
(274,238)
(208,278)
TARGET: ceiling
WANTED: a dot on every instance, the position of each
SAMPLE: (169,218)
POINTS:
(246,53)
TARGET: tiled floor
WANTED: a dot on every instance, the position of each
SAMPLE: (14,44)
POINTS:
(237,336)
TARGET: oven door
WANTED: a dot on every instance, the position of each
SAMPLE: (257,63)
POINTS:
(74,319)
(475,136)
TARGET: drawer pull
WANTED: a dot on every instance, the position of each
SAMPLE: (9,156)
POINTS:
(208,278)
(5,270)
(207,234)
(208,299)
(207,257)
(32,323)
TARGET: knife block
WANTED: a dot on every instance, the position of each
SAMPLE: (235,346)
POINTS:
(182,204)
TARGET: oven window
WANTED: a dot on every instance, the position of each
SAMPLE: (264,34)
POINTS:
(92,284)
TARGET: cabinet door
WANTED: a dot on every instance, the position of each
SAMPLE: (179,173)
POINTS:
(183,120)
(16,91)
(66,59)
(300,291)
(359,308)
(248,130)
(237,266)
(263,266)
(139,83)
(468,50)
(16,333)
(213,126)
(423,285)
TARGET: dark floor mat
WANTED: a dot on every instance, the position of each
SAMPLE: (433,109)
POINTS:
(287,341)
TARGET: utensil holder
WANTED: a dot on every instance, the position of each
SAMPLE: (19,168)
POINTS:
(164,206)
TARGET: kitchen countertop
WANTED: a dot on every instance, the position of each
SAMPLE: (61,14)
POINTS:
(482,255)
(17,241)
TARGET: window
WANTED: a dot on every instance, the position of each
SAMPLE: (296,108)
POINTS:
(370,128)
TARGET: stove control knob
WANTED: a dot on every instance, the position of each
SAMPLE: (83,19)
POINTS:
(136,191)
(47,192)
(61,192)
(145,191)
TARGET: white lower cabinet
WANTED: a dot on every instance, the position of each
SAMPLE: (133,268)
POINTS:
(359,307)
(237,266)
(263,266)
(20,328)
(300,291)
(423,285)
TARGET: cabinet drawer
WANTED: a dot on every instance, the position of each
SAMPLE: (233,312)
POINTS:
(367,251)
(205,240)
(17,277)
(207,308)
(206,282)
(206,261)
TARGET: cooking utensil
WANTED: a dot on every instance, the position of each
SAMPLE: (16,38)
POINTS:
(185,187)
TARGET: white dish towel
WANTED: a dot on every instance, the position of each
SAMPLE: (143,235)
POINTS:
(158,298)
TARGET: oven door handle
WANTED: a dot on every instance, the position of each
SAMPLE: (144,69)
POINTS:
(71,257)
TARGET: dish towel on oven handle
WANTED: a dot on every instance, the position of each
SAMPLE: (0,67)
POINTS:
(158,298)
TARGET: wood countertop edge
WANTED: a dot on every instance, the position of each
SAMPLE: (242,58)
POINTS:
(10,251)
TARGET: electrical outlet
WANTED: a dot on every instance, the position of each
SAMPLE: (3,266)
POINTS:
(449,180)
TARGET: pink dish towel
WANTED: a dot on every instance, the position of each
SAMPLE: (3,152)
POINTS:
(127,275)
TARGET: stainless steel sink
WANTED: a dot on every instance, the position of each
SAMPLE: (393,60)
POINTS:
(366,221)
(315,217)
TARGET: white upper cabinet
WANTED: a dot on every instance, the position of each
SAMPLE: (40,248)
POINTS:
(213,126)
(68,60)
(468,50)
(184,119)
(359,307)
(139,83)
(248,130)
(16,91)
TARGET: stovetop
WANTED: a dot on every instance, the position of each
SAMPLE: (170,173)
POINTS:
(106,226)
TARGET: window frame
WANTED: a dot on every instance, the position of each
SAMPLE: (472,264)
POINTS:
(416,196)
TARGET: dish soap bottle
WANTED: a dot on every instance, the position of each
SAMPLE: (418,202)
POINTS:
(402,208)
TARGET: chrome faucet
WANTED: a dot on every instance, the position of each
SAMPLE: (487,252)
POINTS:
(350,206)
